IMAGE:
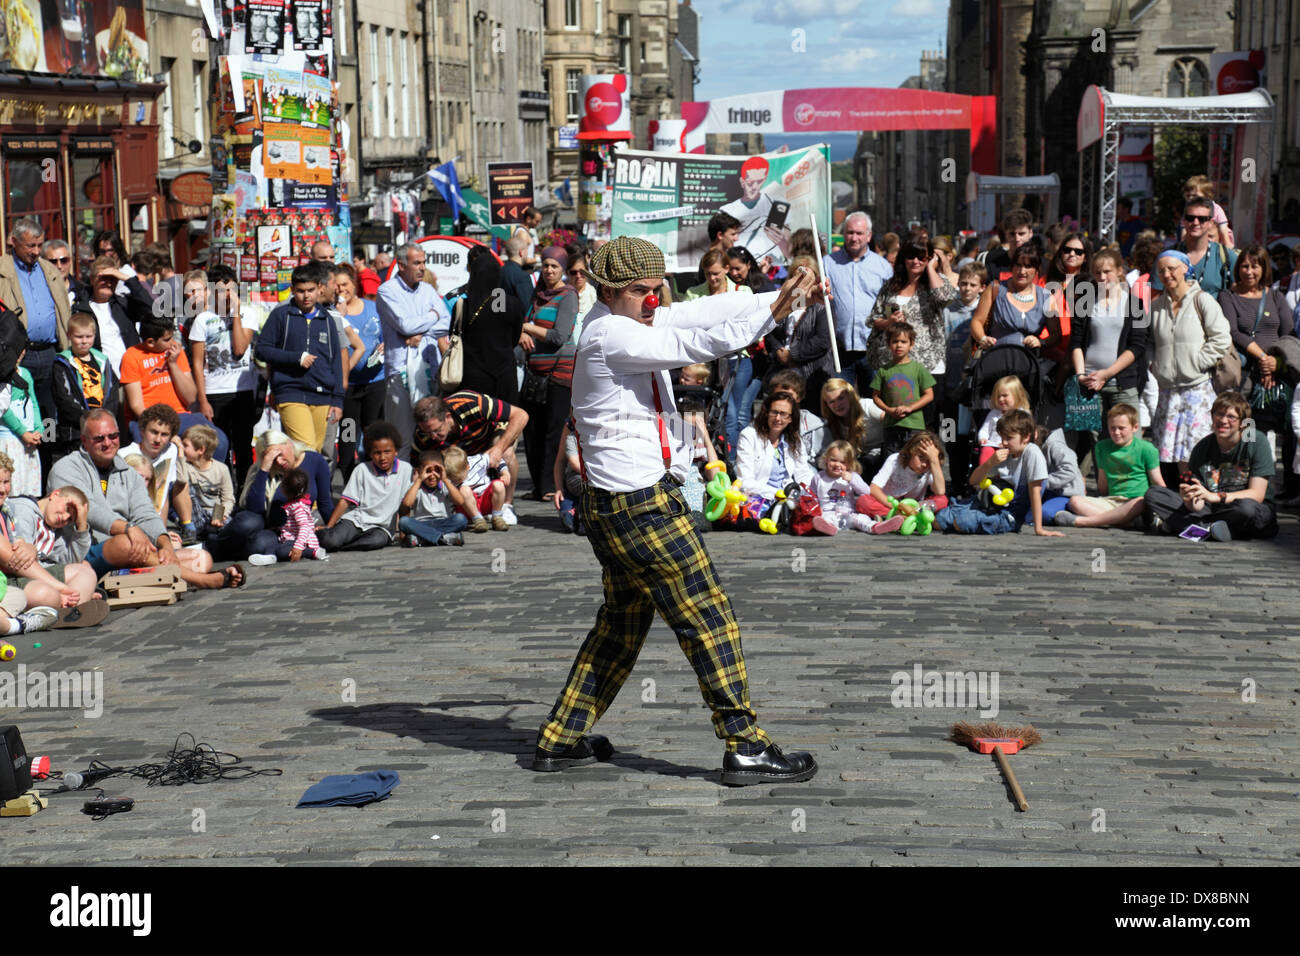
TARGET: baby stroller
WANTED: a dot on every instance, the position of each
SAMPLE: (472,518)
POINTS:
(998,362)
(711,400)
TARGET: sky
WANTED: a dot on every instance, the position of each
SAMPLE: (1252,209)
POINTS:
(747,46)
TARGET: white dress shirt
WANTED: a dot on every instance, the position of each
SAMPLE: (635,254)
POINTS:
(404,312)
(617,363)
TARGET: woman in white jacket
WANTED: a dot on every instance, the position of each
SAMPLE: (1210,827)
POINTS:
(1188,336)
(769,455)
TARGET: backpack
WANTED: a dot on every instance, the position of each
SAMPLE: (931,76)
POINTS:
(13,340)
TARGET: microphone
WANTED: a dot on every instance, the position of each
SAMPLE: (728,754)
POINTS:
(74,780)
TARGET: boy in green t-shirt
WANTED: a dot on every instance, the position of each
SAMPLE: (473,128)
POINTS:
(902,390)
(1127,465)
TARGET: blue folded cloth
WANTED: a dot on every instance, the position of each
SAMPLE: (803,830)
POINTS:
(351,789)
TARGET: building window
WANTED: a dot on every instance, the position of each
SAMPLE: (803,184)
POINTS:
(29,192)
(168,122)
(93,195)
(374,81)
(572,78)
(642,52)
(341,29)
(200,94)
(1188,77)
(625,43)
(390,96)
(406,101)
(571,18)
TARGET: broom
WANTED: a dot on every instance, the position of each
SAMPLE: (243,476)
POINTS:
(1001,742)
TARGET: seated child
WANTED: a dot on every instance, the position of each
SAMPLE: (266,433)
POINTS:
(916,472)
(212,492)
(373,493)
(837,486)
(568,479)
(1008,393)
(696,431)
(83,379)
(425,518)
(1019,465)
(20,433)
(1064,480)
(140,465)
(19,562)
(1127,465)
(159,427)
(479,490)
(901,389)
(58,529)
(298,533)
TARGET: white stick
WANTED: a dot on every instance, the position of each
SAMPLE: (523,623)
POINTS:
(821,278)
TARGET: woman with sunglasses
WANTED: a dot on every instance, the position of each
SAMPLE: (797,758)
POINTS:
(917,294)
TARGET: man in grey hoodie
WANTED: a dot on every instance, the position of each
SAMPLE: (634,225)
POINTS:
(126,530)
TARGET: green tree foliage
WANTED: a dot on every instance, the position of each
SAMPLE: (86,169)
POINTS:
(1180,154)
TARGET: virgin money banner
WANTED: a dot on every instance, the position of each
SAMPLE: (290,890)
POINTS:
(1239,71)
(667,199)
(829,110)
(606,107)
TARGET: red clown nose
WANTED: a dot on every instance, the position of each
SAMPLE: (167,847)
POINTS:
(651,301)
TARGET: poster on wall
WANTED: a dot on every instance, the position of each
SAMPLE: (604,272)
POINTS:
(264,29)
(311,24)
(668,198)
(510,191)
(282,96)
(317,104)
(91,37)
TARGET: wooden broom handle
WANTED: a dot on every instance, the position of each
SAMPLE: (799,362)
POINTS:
(1005,764)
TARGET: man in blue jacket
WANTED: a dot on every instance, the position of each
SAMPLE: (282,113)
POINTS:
(301,349)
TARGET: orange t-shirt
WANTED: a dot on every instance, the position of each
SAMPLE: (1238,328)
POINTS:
(149,370)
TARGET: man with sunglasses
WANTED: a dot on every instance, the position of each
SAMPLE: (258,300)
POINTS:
(125,527)
(1212,262)
(57,253)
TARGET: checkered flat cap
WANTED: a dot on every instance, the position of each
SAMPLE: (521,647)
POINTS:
(619,263)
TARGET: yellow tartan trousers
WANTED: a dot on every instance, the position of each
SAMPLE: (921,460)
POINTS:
(652,559)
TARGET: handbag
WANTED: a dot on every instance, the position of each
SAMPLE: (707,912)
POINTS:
(1082,412)
(452,369)
(533,390)
(1226,375)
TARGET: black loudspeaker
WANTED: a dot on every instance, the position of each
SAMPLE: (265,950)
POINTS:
(15,765)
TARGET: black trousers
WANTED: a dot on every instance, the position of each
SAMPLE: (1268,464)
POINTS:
(1245,518)
(235,413)
(542,435)
(346,536)
(362,406)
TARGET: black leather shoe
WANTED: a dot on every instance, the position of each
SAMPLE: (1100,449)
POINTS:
(771,766)
(589,748)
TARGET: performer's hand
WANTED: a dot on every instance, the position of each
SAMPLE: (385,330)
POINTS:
(796,292)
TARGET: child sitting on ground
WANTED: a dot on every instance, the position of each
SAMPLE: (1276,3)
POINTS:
(20,433)
(1064,480)
(479,490)
(159,426)
(1008,393)
(140,465)
(212,492)
(83,379)
(425,518)
(1018,465)
(373,493)
(568,479)
(298,533)
(20,567)
(915,472)
(1127,465)
(696,432)
(837,486)
(58,529)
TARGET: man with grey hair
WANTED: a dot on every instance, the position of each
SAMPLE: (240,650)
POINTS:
(856,275)
(57,253)
(37,288)
(417,326)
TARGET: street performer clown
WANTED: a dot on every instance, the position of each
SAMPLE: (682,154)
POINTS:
(639,525)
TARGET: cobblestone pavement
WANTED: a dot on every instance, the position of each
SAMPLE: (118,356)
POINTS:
(1135,657)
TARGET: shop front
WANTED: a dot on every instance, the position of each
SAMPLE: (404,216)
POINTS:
(79,155)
